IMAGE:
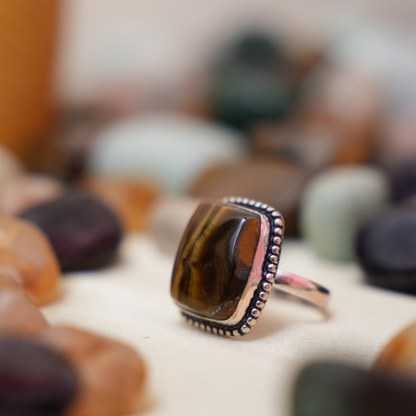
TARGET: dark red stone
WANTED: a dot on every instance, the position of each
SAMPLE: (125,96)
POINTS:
(34,381)
(84,232)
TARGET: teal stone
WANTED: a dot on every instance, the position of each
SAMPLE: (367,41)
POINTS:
(336,203)
(329,389)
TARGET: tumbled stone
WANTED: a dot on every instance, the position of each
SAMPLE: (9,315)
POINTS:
(22,192)
(261,179)
(18,314)
(131,199)
(34,381)
(403,180)
(328,389)
(111,375)
(168,221)
(214,259)
(27,256)
(386,249)
(399,355)
(147,147)
(10,165)
(83,230)
(335,204)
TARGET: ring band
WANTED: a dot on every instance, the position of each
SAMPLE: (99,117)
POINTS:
(227,264)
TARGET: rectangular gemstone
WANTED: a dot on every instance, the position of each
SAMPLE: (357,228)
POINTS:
(214,259)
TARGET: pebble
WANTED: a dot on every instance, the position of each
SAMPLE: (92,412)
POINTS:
(335,204)
(84,232)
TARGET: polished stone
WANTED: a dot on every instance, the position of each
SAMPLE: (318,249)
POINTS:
(399,355)
(334,205)
(386,249)
(262,179)
(83,230)
(34,381)
(22,192)
(132,199)
(112,375)
(169,149)
(214,259)
(27,256)
(328,389)
(19,316)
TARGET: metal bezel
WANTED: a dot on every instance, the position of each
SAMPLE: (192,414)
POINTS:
(260,293)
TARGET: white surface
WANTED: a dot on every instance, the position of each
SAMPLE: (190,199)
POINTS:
(197,373)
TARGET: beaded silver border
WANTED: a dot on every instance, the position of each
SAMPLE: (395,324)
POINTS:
(270,265)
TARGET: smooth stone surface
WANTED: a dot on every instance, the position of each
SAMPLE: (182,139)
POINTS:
(112,375)
(403,180)
(168,221)
(399,355)
(22,192)
(132,200)
(214,259)
(327,389)
(34,381)
(27,256)
(335,204)
(83,230)
(18,314)
(168,149)
(262,179)
(386,249)
(10,164)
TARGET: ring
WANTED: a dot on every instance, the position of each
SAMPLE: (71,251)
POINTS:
(227,264)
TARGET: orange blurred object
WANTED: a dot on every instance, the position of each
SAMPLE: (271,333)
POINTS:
(27,42)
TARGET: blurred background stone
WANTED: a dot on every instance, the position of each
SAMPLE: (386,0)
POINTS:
(328,389)
(399,355)
(112,375)
(84,232)
(170,150)
(279,184)
(335,204)
(34,380)
(131,199)
(27,256)
(386,247)
(22,192)
(18,314)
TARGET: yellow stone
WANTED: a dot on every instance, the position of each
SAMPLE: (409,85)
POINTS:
(399,355)
(27,256)
(131,199)
(112,375)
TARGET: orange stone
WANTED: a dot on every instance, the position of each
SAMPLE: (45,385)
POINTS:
(399,355)
(112,375)
(18,314)
(27,257)
(131,199)
(22,192)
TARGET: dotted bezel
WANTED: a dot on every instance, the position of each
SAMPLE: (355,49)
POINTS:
(269,268)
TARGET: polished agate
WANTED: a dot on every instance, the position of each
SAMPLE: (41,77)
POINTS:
(215,259)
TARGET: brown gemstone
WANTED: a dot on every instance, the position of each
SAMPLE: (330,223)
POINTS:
(399,355)
(131,199)
(27,256)
(214,259)
(112,375)
(18,314)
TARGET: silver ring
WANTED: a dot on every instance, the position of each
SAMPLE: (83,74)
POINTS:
(227,264)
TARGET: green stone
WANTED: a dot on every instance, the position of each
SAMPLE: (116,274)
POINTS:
(214,259)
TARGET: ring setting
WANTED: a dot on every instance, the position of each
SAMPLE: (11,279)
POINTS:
(227,264)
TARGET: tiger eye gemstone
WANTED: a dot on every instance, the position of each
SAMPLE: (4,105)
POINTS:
(214,259)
